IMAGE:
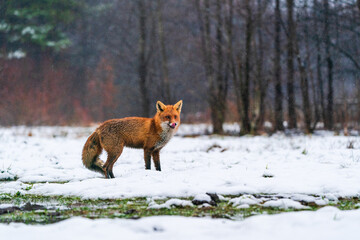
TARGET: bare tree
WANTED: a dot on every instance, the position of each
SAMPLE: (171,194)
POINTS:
(244,83)
(304,81)
(2,34)
(216,78)
(320,84)
(164,58)
(290,65)
(329,61)
(261,81)
(126,52)
(277,70)
(143,61)
(220,86)
(308,58)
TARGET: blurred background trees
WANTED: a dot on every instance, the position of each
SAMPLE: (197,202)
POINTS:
(287,64)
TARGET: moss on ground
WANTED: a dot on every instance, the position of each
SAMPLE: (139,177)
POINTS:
(38,209)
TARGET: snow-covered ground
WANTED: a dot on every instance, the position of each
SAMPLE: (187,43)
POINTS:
(327,223)
(321,168)
(313,165)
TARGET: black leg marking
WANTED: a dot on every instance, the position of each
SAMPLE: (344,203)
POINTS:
(156,158)
(157,166)
(111,174)
(147,158)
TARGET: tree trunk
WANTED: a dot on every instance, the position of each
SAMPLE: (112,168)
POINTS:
(245,90)
(329,62)
(304,83)
(216,102)
(320,84)
(235,64)
(315,97)
(290,66)
(2,33)
(306,100)
(261,82)
(216,81)
(142,67)
(228,29)
(164,59)
(277,71)
(358,100)
(237,73)
(304,78)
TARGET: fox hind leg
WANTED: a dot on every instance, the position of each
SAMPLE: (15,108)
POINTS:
(109,164)
(111,159)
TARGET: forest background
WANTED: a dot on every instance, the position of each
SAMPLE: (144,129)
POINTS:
(268,64)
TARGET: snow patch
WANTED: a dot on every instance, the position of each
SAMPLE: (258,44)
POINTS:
(170,203)
(285,204)
(246,200)
(326,223)
(17,54)
(28,30)
(202,198)
(53,154)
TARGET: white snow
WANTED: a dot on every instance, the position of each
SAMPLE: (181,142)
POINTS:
(28,30)
(201,129)
(309,165)
(321,202)
(245,200)
(327,223)
(6,175)
(202,197)
(170,203)
(4,26)
(318,168)
(16,54)
(243,206)
(53,155)
(5,205)
(285,204)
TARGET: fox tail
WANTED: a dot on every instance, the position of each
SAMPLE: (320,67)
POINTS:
(91,152)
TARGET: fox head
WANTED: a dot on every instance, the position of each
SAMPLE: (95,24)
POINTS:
(169,114)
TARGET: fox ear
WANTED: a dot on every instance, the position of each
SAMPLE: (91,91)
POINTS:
(178,106)
(160,107)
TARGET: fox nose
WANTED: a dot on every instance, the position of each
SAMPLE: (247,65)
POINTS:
(173,125)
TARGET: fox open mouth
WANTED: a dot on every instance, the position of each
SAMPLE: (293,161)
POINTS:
(172,125)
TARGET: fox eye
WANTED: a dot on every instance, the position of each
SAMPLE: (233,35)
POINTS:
(175,117)
(167,117)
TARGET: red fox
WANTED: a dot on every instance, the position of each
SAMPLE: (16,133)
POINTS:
(151,134)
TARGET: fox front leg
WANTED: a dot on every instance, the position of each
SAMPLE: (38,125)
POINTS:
(147,158)
(156,159)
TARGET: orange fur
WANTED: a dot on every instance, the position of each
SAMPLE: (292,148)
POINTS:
(151,134)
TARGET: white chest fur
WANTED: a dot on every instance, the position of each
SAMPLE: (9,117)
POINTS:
(165,136)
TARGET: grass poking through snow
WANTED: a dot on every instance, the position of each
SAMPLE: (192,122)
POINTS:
(37,209)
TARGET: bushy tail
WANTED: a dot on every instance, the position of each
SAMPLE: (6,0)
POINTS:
(90,154)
